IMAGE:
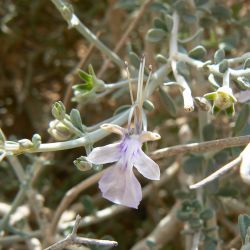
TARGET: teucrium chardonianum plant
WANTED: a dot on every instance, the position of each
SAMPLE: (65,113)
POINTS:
(197,45)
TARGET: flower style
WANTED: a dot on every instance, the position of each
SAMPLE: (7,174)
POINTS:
(119,184)
(223,100)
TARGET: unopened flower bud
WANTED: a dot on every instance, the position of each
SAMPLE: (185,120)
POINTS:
(58,110)
(83,164)
(25,144)
(36,140)
(202,103)
(59,131)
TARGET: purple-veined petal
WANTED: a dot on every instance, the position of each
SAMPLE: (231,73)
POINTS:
(119,185)
(146,166)
(105,154)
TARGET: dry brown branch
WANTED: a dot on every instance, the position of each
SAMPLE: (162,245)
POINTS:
(70,196)
(235,243)
(164,232)
(126,34)
(73,239)
(193,147)
(234,207)
(69,77)
(106,213)
(201,147)
(9,240)
(217,174)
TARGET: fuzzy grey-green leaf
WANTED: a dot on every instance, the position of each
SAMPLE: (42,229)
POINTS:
(168,102)
(161,59)
(199,52)
(75,118)
(219,55)
(247,63)
(242,119)
(155,35)
(134,59)
(160,24)
(244,223)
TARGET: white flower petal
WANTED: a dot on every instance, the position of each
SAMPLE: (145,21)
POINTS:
(146,166)
(105,154)
(113,128)
(149,136)
(120,186)
(245,165)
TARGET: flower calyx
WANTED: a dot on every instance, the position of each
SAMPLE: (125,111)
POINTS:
(223,100)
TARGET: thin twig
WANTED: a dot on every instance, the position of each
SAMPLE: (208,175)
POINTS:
(69,77)
(173,50)
(9,240)
(212,68)
(126,34)
(73,239)
(201,147)
(70,196)
(218,173)
(17,201)
(196,240)
(235,243)
(164,232)
(74,22)
(57,146)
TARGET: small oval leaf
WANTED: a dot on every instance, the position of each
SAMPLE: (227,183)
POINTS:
(75,118)
(134,59)
(247,63)
(243,82)
(168,102)
(242,119)
(244,223)
(161,59)
(219,55)
(155,35)
(160,24)
(193,164)
(223,66)
(199,52)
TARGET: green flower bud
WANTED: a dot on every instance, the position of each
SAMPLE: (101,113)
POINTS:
(58,110)
(59,131)
(223,100)
(82,163)
(87,90)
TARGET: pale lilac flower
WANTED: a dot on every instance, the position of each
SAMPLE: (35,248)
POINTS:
(118,183)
